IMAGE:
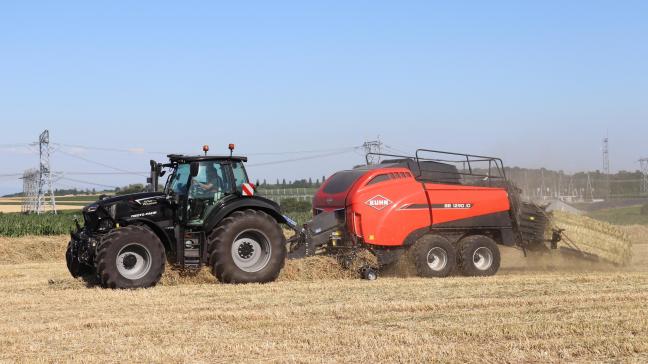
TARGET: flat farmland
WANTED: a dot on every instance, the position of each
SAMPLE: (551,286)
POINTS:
(14,204)
(532,311)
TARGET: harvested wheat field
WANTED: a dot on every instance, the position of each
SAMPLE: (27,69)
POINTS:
(566,313)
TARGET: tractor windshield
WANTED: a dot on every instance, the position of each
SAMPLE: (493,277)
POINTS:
(177,182)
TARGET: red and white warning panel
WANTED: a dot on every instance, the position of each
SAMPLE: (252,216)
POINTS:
(247,189)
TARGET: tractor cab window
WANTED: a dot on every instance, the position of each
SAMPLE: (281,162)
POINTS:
(240,177)
(179,180)
(207,188)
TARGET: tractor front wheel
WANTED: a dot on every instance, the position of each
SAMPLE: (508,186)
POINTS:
(130,257)
(76,268)
(478,256)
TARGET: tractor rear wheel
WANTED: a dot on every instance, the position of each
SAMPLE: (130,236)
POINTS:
(130,257)
(479,256)
(434,256)
(247,247)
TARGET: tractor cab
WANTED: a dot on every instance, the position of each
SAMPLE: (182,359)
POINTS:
(199,184)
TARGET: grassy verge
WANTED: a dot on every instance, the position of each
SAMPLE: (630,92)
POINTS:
(630,215)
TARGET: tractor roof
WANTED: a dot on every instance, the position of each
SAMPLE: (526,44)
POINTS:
(178,158)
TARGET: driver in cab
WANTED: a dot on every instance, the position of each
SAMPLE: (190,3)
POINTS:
(206,190)
(213,182)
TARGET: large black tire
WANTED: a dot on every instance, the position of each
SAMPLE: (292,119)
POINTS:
(130,257)
(76,268)
(434,256)
(247,247)
(479,256)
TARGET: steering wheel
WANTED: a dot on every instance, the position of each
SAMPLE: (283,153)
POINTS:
(196,188)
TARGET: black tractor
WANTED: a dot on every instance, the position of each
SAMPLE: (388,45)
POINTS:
(207,214)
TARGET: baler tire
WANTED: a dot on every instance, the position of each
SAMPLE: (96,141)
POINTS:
(442,253)
(76,268)
(131,242)
(478,247)
(247,247)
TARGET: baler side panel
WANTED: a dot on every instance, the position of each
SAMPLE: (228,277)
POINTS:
(457,203)
(379,211)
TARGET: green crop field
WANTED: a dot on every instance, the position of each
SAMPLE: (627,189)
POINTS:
(15,224)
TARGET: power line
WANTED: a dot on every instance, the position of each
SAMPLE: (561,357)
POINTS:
(87,182)
(395,150)
(97,163)
(13,175)
(306,151)
(102,173)
(301,159)
(14,145)
(108,149)
(373,149)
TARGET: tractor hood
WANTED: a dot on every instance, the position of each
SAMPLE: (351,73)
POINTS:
(132,197)
(107,211)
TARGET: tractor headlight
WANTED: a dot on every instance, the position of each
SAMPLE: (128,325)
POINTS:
(189,244)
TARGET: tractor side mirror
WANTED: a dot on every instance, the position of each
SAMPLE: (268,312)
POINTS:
(193,169)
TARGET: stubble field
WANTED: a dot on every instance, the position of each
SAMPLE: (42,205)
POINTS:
(532,311)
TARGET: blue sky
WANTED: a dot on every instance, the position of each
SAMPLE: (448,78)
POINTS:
(537,83)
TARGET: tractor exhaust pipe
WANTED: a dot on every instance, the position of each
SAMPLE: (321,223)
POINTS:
(153,179)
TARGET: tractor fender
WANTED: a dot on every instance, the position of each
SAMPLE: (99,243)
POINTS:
(155,228)
(243,203)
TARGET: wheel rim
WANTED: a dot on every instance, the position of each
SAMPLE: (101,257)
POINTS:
(251,251)
(437,259)
(134,261)
(483,258)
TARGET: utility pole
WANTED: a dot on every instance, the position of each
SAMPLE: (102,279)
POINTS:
(589,189)
(542,184)
(606,166)
(644,175)
(372,149)
(30,191)
(45,174)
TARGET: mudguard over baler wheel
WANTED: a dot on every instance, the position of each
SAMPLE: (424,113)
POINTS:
(434,256)
(130,257)
(479,256)
(247,247)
